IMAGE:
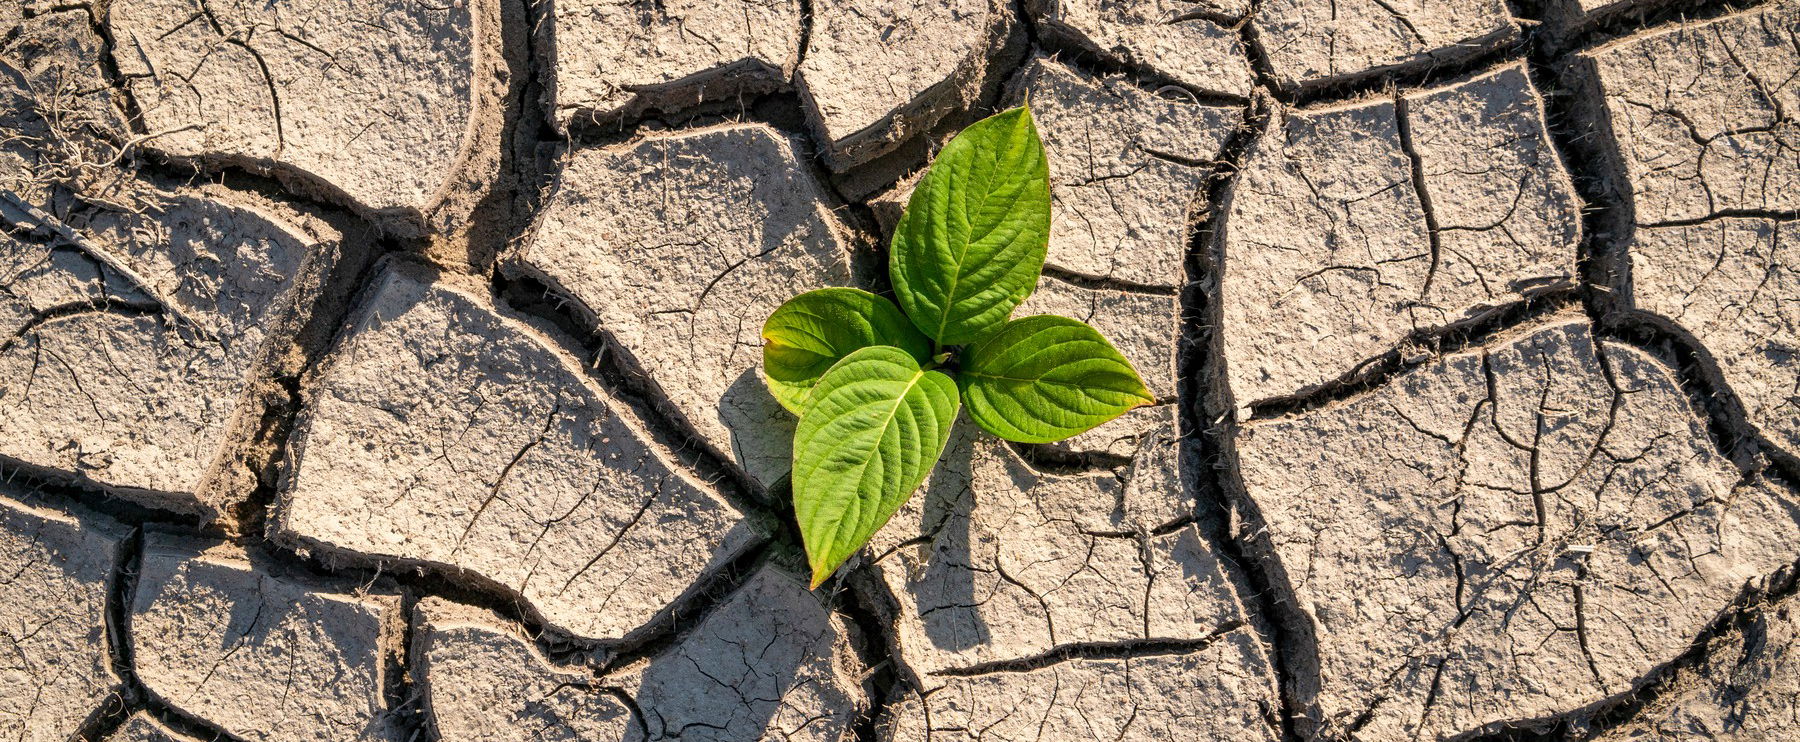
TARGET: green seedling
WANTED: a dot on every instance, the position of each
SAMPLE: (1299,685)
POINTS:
(877,387)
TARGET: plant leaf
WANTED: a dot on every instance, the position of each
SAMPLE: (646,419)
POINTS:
(1045,378)
(873,428)
(812,331)
(973,238)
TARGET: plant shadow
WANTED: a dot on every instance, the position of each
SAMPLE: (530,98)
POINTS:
(762,431)
(943,586)
(760,666)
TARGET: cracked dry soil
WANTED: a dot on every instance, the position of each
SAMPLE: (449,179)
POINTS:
(382,370)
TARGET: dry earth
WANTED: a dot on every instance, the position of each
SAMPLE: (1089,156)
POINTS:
(388,371)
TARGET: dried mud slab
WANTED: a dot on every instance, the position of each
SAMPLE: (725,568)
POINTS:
(261,655)
(1355,228)
(60,125)
(1501,206)
(1544,523)
(1315,43)
(484,681)
(1735,285)
(43,142)
(770,662)
(1703,116)
(888,205)
(678,247)
(131,343)
(1191,43)
(1126,167)
(1747,689)
(996,562)
(1703,119)
(57,668)
(444,433)
(613,58)
(877,74)
(1574,11)
(60,54)
(141,727)
(23,133)
(1564,20)
(1223,690)
(378,100)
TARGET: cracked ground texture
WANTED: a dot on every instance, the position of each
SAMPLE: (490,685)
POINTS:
(388,371)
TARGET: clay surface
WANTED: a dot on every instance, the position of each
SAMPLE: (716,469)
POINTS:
(613,58)
(677,248)
(142,727)
(373,99)
(261,654)
(1703,123)
(389,371)
(59,53)
(770,662)
(1537,505)
(1704,115)
(931,56)
(1191,43)
(996,562)
(1335,235)
(1149,697)
(134,322)
(1731,283)
(57,669)
(1746,690)
(448,434)
(485,681)
(1126,166)
(1314,43)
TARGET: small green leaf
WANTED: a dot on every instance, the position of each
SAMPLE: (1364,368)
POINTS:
(1042,379)
(812,331)
(972,241)
(873,428)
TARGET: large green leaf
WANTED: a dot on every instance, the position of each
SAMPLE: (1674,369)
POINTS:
(805,336)
(873,427)
(972,240)
(1044,378)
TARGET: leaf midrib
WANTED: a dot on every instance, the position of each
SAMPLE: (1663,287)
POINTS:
(1033,380)
(893,411)
(963,251)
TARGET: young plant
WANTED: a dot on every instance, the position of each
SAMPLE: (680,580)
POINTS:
(877,388)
